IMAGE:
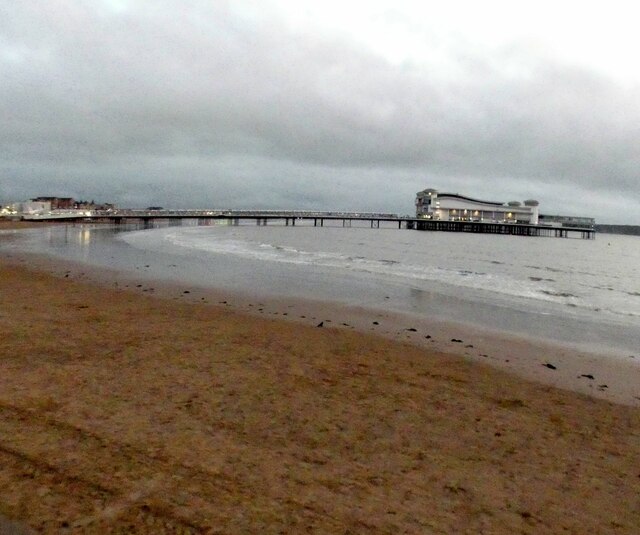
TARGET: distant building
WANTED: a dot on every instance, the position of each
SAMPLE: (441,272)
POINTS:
(93,205)
(29,207)
(430,204)
(69,203)
(57,203)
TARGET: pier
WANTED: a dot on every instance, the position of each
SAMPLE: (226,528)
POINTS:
(319,219)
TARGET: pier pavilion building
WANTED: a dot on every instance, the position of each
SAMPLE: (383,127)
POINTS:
(431,204)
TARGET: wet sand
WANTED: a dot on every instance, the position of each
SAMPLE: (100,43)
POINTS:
(184,410)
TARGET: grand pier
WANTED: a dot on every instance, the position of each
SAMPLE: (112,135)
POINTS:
(318,219)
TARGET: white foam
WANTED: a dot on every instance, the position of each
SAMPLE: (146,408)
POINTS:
(207,242)
(420,260)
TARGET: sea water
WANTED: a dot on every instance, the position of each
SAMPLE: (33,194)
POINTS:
(581,292)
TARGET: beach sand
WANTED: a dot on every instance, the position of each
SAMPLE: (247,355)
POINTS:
(130,412)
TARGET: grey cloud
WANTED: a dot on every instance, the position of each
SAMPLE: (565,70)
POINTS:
(201,104)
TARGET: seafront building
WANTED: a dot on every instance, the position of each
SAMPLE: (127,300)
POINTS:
(431,204)
(436,206)
(52,206)
(27,208)
(69,203)
(57,203)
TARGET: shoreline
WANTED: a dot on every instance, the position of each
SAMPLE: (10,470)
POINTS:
(121,410)
(524,312)
(609,377)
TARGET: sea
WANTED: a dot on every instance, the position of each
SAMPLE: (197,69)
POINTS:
(584,293)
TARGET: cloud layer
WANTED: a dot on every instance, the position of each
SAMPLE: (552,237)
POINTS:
(211,105)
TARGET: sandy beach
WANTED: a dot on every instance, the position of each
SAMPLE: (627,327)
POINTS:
(125,409)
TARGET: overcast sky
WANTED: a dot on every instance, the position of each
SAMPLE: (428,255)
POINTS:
(344,105)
